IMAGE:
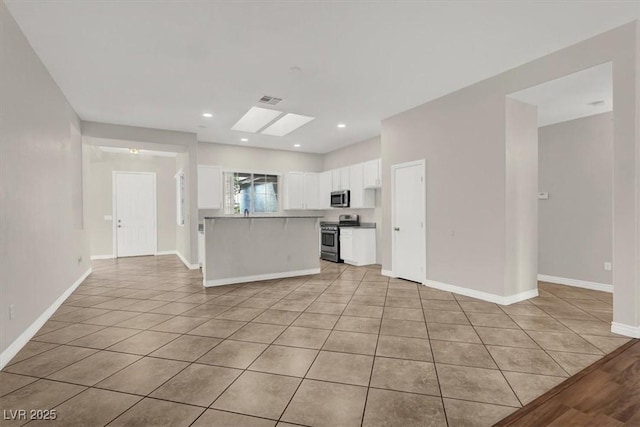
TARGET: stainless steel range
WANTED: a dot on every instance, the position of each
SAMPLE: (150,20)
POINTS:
(330,236)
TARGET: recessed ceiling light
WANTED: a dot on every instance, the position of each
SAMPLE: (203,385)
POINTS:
(207,115)
(288,123)
(244,139)
(296,145)
(342,125)
(255,119)
(134,150)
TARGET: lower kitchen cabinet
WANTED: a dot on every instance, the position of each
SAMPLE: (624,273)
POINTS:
(358,245)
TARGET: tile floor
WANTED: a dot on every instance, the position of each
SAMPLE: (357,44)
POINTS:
(140,342)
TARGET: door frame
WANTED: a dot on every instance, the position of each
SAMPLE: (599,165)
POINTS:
(394,252)
(114,221)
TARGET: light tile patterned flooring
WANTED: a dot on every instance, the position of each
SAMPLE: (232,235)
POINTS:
(140,342)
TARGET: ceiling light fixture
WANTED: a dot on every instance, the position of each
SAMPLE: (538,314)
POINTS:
(244,139)
(288,123)
(296,145)
(207,115)
(342,125)
(134,150)
(255,119)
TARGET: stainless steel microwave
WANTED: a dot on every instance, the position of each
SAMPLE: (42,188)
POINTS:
(340,199)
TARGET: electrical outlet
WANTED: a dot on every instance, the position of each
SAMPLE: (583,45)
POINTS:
(607,266)
(11,311)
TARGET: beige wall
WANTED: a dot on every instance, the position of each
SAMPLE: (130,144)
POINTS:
(100,196)
(521,198)
(576,230)
(43,247)
(462,138)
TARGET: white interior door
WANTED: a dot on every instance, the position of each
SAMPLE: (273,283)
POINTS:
(135,213)
(408,221)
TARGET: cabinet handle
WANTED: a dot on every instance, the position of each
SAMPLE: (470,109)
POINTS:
(396,228)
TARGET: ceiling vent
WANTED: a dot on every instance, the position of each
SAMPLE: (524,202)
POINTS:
(271,100)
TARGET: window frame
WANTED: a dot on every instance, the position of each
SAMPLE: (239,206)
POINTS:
(229,210)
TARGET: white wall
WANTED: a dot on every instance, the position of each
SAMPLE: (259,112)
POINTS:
(462,138)
(576,229)
(100,196)
(43,247)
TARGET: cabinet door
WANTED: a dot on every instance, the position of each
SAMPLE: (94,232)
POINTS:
(346,244)
(344,178)
(355,181)
(209,187)
(335,180)
(372,174)
(310,191)
(294,190)
(324,190)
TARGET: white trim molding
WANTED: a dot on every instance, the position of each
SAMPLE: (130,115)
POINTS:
(485,296)
(594,286)
(387,273)
(110,256)
(185,262)
(13,349)
(166,253)
(257,277)
(626,330)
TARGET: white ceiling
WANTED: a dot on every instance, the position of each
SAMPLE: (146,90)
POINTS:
(570,97)
(162,64)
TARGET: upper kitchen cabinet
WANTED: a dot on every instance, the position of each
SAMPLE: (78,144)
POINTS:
(209,187)
(373,174)
(361,197)
(340,179)
(325,186)
(301,190)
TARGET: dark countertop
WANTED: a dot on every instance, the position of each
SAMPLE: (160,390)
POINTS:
(362,224)
(261,217)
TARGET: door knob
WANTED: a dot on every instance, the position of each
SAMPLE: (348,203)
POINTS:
(396,228)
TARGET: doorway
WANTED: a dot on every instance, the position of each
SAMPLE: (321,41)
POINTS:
(408,214)
(134,213)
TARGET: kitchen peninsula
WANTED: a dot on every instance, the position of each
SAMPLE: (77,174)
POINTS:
(246,249)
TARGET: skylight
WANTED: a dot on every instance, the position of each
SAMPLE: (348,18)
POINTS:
(255,119)
(287,124)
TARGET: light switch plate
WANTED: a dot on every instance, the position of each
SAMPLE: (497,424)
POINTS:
(607,266)
(543,195)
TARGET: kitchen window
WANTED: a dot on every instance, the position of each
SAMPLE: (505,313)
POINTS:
(250,192)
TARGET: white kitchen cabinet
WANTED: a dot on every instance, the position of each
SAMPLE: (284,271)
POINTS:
(340,179)
(358,245)
(361,198)
(325,186)
(301,190)
(209,187)
(373,174)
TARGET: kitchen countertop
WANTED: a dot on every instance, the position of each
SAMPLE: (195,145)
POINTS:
(362,224)
(261,216)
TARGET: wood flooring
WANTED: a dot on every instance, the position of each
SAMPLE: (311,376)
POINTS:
(605,394)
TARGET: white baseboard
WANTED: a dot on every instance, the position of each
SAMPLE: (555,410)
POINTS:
(13,349)
(387,273)
(257,277)
(594,286)
(166,253)
(626,330)
(185,262)
(94,257)
(485,296)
